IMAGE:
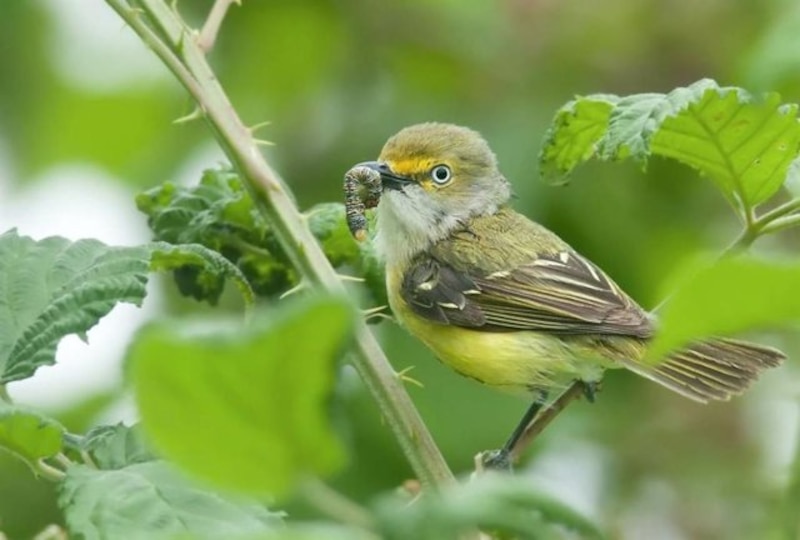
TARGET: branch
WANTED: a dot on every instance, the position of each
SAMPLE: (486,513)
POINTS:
(208,35)
(177,46)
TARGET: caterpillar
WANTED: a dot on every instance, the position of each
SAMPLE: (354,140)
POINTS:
(362,190)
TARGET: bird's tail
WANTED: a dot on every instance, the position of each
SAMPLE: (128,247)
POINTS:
(715,369)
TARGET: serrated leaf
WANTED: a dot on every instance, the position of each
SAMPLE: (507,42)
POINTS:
(115,447)
(573,135)
(244,408)
(631,123)
(743,144)
(504,505)
(219,214)
(150,500)
(55,287)
(727,298)
(211,270)
(29,435)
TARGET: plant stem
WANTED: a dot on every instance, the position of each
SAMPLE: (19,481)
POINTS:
(48,471)
(780,224)
(780,211)
(161,29)
(335,505)
(4,394)
(208,35)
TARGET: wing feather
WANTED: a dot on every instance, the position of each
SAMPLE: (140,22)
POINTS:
(562,293)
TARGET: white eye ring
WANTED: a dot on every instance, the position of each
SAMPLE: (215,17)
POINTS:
(441,174)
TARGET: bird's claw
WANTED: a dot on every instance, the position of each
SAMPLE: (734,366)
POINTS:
(494,460)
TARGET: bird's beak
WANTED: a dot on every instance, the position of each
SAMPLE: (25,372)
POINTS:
(389,179)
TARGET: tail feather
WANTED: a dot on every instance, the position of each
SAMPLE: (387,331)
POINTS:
(715,369)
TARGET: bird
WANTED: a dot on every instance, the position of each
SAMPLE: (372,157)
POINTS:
(503,300)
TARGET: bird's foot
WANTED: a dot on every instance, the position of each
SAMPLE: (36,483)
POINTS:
(494,460)
(590,390)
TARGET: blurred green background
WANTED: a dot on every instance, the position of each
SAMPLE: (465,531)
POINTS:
(80,96)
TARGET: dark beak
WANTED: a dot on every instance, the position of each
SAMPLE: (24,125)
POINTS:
(388,178)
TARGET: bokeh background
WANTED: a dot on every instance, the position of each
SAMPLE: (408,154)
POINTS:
(86,121)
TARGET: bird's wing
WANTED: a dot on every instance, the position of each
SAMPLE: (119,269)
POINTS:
(562,293)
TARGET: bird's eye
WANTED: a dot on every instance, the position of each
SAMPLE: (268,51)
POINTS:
(441,174)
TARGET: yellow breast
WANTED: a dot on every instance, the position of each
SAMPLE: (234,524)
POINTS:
(513,361)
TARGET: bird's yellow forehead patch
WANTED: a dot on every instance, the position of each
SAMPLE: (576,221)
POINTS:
(410,166)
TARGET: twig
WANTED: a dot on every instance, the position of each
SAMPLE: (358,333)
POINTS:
(208,35)
(335,505)
(176,45)
(781,223)
(543,419)
(48,471)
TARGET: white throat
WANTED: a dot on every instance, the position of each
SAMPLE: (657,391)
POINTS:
(406,227)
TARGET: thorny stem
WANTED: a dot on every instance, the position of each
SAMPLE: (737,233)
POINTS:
(161,28)
(208,35)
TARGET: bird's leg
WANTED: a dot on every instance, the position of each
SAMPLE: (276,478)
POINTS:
(590,390)
(502,459)
(535,420)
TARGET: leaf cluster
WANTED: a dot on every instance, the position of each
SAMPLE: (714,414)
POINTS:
(220,214)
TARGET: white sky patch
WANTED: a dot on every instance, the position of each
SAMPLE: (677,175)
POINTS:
(102,57)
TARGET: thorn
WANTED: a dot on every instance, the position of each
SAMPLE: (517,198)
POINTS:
(196,113)
(263,142)
(383,316)
(296,289)
(376,313)
(354,279)
(402,375)
(255,127)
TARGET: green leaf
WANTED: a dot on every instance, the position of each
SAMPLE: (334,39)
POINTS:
(501,504)
(150,500)
(29,435)
(219,214)
(115,447)
(729,297)
(244,408)
(743,144)
(208,268)
(55,287)
(304,531)
(327,223)
(573,135)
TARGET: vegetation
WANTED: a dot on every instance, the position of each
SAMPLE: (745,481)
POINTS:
(275,413)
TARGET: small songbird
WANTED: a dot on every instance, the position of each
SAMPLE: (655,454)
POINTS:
(505,301)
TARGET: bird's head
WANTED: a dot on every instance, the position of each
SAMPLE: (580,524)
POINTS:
(436,178)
